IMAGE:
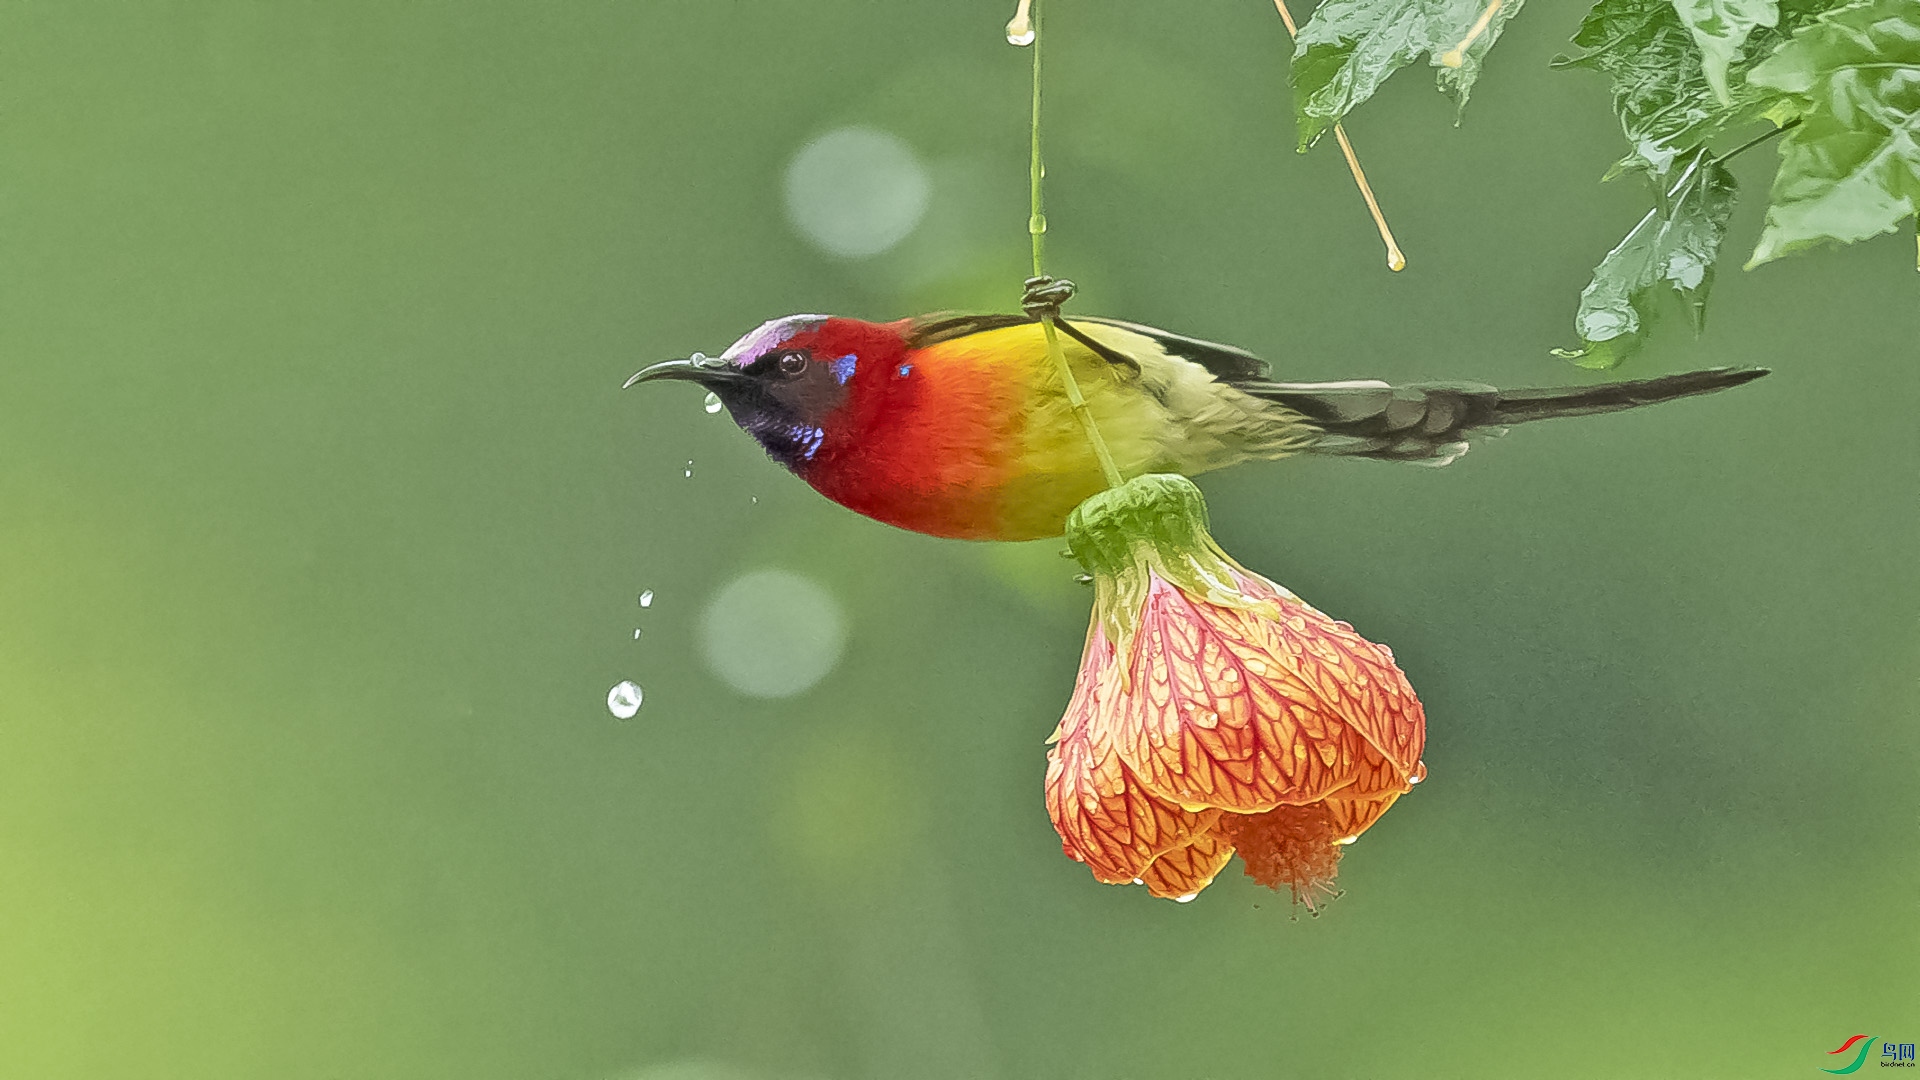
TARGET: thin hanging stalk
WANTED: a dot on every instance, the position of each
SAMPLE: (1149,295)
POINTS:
(1396,261)
(1457,55)
(1026,25)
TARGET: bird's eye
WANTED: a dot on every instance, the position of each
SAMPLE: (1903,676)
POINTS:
(792,363)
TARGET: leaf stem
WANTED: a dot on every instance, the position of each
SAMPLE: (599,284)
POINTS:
(1757,140)
(1396,261)
(1037,230)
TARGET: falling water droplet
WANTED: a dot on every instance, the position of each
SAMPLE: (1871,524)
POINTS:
(1178,899)
(1020,28)
(713,402)
(646,598)
(689,472)
(623,701)
(636,633)
(755,498)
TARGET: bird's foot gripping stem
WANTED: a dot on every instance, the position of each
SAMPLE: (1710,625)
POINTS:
(1044,295)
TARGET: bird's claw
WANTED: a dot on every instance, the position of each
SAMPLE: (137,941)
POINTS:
(1044,295)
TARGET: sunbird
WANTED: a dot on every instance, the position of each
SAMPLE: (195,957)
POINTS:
(960,425)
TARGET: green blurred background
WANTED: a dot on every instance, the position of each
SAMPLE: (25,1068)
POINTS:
(322,522)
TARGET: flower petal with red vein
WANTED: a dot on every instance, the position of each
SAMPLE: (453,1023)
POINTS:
(1351,817)
(1373,693)
(1105,818)
(1186,870)
(1231,707)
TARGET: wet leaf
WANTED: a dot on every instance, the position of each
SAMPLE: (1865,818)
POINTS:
(1349,47)
(1720,28)
(1851,169)
(1672,248)
(1666,105)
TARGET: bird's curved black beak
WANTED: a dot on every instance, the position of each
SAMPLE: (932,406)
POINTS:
(709,371)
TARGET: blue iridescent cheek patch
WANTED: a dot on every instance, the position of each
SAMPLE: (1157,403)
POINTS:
(842,367)
(905,370)
(810,439)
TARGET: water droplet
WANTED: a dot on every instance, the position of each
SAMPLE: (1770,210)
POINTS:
(689,472)
(1178,899)
(1415,779)
(623,701)
(713,402)
(1020,27)
(1083,579)
(636,633)
(646,598)
(1138,881)
(755,498)
(1346,840)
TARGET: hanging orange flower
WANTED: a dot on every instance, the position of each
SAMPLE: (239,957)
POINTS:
(1217,712)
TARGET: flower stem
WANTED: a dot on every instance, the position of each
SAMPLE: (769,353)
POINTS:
(1037,229)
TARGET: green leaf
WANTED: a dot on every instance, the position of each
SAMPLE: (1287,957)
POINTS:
(1851,168)
(1349,47)
(1666,105)
(1719,28)
(1674,246)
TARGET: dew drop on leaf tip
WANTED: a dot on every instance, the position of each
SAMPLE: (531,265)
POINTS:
(623,701)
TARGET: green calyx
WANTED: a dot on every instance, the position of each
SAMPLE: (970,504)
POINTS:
(1162,511)
(1153,525)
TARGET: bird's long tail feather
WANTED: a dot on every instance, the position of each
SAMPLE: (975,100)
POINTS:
(1431,422)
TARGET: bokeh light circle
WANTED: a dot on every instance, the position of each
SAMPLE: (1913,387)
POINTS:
(772,633)
(856,191)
